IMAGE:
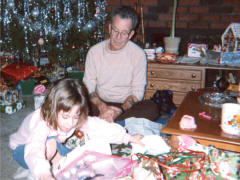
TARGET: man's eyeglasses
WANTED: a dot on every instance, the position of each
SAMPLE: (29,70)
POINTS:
(124,34)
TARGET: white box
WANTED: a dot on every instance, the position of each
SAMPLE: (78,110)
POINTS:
(195,50)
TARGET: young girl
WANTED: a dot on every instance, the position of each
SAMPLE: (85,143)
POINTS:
(38,141)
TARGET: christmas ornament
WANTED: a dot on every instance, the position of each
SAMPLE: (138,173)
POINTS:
(10,3)
(11,57)
(89,26)
(60,24)
(52,10)
(40,41)
(37,26)
(35,12)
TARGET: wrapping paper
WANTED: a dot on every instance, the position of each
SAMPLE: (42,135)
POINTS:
(18,71)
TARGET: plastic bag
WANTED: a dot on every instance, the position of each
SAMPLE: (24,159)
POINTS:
(93,164)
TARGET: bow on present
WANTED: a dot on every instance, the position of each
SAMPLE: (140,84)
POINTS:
(173,163)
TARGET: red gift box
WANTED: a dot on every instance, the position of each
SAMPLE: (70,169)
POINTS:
(19,70)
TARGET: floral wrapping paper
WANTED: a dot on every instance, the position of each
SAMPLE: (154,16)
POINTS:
(195,161)
(217,164)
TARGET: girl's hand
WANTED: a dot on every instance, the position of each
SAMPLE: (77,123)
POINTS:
(136,138)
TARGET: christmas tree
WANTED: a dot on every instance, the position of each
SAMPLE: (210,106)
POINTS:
(58,29)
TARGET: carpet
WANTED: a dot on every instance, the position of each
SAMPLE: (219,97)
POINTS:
(8,125)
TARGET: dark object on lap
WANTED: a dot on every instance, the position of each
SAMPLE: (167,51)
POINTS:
(143,109)
(164,100)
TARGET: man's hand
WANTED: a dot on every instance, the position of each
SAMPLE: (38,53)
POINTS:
(128,103)
(110,113)
(102,107)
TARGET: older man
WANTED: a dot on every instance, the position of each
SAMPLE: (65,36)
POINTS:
(115,72)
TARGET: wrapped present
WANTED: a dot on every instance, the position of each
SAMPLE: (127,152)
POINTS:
(188,164)
(9,94)
(12,108)
(192,160)
(224,58)
(18,71)
(168,58)
(147,168)
(27,86)
(10,98)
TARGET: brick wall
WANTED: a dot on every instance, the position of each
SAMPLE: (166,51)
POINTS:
(201,21)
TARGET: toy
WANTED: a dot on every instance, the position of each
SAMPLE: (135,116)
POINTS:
(204,115)
(10,98)
(231,37)
(229,52)
(187,122)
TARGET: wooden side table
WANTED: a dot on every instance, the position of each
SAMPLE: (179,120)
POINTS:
(180,78)
(208,132)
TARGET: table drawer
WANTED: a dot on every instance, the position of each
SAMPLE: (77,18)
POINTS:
(181,86)
(183,74)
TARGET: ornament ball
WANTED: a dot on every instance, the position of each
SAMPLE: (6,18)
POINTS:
(40,41)
(35,12)
(11,4)
(52,10)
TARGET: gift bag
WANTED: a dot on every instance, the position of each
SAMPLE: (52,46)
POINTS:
(39,95)
(93,164)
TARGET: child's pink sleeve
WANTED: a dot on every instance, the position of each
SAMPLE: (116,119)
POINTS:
(96,128)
